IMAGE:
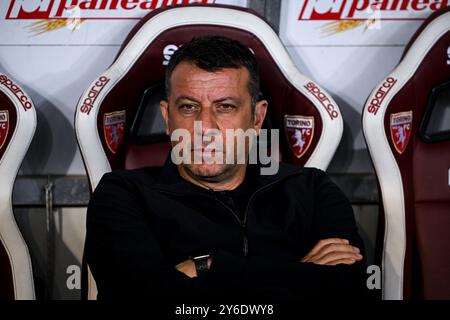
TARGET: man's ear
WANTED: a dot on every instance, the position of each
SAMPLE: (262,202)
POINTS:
(164,107)
(260,114)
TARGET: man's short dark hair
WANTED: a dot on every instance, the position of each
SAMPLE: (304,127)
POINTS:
(214,53)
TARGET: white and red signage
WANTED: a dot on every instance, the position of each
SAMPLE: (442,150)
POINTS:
(368,9)
(4,126)
(401,126)
(354,22)
(299,133)
(93,9)
(79,22)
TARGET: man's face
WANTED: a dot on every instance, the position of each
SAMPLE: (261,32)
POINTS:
(220,100)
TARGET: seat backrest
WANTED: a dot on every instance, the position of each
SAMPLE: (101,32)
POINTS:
(112,100)
(406,123)
(110,116)
(17,126)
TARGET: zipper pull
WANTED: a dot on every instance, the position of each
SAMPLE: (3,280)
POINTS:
(244,240)
(245,246)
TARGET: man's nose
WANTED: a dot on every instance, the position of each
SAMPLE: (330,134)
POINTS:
(208,119)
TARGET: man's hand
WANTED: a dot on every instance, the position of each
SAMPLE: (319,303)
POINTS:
(188,267)
(333,251)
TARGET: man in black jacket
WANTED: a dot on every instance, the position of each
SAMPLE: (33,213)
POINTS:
(212,230)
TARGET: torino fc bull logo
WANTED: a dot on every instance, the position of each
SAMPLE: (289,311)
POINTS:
(299,132)
(114,127)
(401,125)
(4,126)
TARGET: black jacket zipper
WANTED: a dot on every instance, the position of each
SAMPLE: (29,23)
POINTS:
(243,222)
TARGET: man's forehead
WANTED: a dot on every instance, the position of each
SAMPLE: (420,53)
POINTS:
(190,80)
(194,73)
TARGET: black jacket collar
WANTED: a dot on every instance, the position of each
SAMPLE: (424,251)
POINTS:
(169,180)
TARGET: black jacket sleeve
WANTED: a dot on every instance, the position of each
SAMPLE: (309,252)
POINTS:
(125,259)
(128,263)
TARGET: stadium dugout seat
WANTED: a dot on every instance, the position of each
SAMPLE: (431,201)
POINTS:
(406,124)
(17,127)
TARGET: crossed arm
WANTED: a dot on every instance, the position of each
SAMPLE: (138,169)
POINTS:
(330,252)
(128,263)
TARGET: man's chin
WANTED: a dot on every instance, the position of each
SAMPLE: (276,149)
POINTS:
(208,171)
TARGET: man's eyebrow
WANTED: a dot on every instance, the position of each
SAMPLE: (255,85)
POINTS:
(235,99)
(178,99)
